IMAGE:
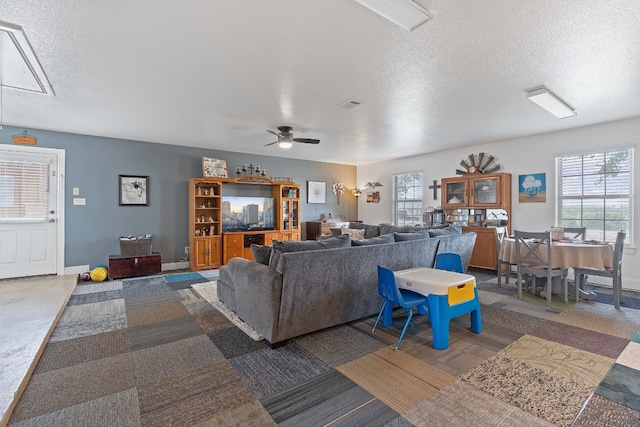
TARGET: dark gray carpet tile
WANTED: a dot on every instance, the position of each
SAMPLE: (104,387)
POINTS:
(159,333)
(156,313)
(95,297)
(603,412)
(149,300)
(193,397)
(583,339)
(268,371)
(212,321)
(232,342)
(62,354)
(114,410)
(164,361)
(136,282)
(329,398)
(399,422)
(88,326)
(519,322)
(199,306)
(494,335)
(53,390)
(621,385)
(185,284)
(339,345)
(145,286)
(491,286)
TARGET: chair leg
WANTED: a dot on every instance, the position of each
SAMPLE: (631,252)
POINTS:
(617,290)
(409,312)
(548,290)
(508,273)
(384,304)
(499,274)
(519,279)
(565,285)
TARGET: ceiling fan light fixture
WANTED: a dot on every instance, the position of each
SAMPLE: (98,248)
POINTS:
(285,144)
(405,13)
(551,103)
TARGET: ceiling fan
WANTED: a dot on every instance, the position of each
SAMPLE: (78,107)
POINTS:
(286,139)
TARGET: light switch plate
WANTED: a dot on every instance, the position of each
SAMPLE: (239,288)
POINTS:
(79,201)
(76,191)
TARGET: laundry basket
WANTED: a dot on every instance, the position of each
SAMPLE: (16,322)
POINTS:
(135,245)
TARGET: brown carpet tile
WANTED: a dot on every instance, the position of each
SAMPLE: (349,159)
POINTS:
(175,358)
(463,405)
(156,313)
(163,332)
(212,321)
(54,390)
(550,397)
(600,411)
(193,397)
(85,349)
(584,339)
(557,359)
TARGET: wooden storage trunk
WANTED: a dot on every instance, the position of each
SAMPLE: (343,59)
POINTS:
(122,267)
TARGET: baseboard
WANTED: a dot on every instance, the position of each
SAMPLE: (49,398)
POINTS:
(175,266)
(76,269)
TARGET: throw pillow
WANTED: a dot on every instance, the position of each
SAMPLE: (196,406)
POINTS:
(452,229)
(261,254)
(387,238)
(403,237)
(369,230)
(335,231)
(354,234)
(389,229)
(343,241)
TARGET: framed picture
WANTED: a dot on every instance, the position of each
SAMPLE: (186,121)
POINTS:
(134,190)
(532,188)
(316,192)
(214,168)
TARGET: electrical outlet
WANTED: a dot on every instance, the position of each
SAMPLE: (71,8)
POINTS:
(186,249)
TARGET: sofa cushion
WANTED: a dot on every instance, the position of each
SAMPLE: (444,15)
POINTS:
(403,237)
(343,241)
(387,238)
(452,229)
(261,254)
(390,229)
(370,231)
(335,231)
(354,234)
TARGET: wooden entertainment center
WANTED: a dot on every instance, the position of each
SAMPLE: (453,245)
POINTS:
(209,246)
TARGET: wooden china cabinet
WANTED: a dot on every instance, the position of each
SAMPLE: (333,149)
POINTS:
(472,195)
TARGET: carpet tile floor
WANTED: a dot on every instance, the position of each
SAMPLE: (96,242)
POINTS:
(152,352)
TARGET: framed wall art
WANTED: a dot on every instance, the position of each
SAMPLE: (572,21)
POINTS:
(532,188)
(214,168)
(316,192)
(133,190)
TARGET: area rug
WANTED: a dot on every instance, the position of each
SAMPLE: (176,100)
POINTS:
(208,291)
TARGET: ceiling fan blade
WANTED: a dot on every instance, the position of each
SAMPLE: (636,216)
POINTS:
(271,143)
(276,134)
(307,140)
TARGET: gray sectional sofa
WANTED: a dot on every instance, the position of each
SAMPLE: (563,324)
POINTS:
(308,286)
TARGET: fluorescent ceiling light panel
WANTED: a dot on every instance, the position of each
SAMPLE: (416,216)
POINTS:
(551,103)
(405,13)
(20,66)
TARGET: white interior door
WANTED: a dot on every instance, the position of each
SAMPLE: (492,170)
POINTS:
(30,187)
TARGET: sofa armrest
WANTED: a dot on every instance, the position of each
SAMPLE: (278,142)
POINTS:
(258,291)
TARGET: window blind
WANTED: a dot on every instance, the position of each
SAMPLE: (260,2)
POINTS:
(24,190)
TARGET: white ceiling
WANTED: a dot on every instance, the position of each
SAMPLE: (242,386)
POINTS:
(217,74)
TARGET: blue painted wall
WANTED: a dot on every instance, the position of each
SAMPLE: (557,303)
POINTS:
(94,163)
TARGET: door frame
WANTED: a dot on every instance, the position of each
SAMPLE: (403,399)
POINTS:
(60,201)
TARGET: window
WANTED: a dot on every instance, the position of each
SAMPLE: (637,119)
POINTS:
(407,198)
(24,190)
(595,191)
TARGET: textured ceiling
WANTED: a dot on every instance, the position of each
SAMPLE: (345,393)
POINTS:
(217,74)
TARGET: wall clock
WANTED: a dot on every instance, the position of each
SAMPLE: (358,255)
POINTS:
(478,163)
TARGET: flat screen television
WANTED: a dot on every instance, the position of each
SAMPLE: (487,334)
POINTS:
(241,213)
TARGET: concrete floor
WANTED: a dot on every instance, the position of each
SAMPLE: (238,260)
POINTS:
(29,311)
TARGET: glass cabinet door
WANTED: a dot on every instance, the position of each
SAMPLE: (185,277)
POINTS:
(455,193)
(295,224)
(485,191)
(286,220)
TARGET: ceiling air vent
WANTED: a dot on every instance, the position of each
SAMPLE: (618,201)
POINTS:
(348,105)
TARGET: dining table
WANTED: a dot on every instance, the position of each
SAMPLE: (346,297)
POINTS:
(567,253)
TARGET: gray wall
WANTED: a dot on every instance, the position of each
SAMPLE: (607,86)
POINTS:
(94,163)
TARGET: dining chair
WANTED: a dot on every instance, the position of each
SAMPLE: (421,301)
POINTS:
(449,261)
(500,233)
(615,272)
(405,298)
(575,232)
(534,259)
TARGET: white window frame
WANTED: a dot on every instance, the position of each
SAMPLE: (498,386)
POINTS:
(575,185)
(401,202)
